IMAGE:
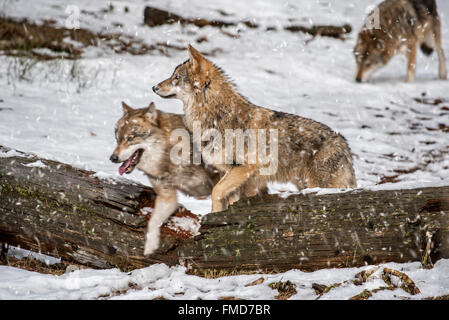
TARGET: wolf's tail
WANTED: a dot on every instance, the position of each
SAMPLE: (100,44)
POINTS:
(426,49)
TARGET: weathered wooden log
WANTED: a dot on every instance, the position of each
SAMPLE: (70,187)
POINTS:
(311,232)
(71,213)
(155,17)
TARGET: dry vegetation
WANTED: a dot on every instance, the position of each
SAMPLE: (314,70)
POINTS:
(24,38)
(30,264)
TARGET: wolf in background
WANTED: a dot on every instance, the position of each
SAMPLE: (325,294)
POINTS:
(310,153)
(403,25)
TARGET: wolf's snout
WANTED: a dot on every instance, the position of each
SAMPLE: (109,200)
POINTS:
(114,158)
(155,89)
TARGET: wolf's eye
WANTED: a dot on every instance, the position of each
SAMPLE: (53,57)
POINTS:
(129,138)
(177,77)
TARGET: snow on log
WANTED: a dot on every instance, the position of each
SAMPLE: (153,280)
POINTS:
(80,216)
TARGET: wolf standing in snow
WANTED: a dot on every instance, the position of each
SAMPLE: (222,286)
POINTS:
(144,142)
(310,153)
(400,26)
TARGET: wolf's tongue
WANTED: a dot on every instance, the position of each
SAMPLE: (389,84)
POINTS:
(124,166)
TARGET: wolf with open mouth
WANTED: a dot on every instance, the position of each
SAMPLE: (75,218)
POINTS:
(143,142)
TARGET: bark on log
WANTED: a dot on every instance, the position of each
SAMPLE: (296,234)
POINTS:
(70,213)
(311,232)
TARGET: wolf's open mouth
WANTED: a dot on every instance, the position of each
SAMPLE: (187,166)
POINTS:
(129,165)
(168,96)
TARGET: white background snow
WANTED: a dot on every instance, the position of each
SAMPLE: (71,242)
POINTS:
(71,119)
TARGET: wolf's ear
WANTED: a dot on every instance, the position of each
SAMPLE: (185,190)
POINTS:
(195,57)
(151,114)
(126,109)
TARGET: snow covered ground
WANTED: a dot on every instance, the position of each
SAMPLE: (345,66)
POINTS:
(66,110)
(173,283)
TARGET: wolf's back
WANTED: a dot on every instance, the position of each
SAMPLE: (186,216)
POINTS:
(431,6)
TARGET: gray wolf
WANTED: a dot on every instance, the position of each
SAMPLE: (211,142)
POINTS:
(403,26)
(310,154)
(143,142)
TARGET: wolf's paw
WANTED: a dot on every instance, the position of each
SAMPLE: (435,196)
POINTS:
(151,245)
(443,75)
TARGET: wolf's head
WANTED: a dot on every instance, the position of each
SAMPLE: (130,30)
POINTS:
(139,139)
(371,54)
(189,78)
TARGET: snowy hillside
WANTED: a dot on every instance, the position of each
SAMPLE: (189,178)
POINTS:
(66,110)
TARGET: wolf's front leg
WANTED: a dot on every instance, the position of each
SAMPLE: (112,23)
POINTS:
(229,183)
(165,204)
(442,71)
(411,65)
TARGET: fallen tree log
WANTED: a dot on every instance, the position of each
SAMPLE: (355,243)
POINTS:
(74,214)
(310,232)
